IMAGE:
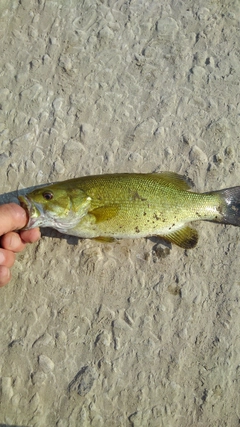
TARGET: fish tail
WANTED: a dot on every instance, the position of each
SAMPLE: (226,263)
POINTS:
(229,207)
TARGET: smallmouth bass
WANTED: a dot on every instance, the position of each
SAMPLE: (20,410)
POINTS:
(129,205)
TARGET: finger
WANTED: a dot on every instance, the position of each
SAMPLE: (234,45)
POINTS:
(16,242)
(30,236)
(7,258)
(5,275)
(12,242)
(13,217)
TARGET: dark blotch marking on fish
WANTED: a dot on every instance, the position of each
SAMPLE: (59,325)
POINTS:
(136,196)
(137,229)
(156,217)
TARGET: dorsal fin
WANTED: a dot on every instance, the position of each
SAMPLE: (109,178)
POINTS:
(173,180)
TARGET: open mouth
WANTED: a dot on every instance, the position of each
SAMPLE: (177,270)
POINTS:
(31,211)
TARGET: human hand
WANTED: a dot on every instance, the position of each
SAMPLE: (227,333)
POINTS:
(13,217)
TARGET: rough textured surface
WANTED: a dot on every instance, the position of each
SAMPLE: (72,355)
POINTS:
(126,334)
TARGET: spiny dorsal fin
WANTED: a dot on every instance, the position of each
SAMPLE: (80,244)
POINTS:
(186,237)
(174,180)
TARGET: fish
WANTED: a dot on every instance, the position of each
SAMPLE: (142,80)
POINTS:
(129,205)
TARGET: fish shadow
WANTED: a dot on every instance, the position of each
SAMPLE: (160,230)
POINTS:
(11,425)
(54,234)
(158,240)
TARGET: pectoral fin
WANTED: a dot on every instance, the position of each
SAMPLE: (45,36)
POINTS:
(104,213)
(186,237)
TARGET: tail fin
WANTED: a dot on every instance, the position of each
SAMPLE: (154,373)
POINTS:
(230,206)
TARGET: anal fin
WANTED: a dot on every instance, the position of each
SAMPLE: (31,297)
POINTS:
(186,237)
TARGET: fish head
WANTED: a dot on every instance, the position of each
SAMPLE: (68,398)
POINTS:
(55,206)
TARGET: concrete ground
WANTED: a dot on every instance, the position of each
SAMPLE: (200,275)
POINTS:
(126,334)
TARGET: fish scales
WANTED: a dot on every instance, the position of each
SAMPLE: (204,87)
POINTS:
(143,203)
(129,206)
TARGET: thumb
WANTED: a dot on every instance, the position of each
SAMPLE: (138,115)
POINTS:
(12,217)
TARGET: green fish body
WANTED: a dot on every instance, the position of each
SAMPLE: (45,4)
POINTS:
(129,205)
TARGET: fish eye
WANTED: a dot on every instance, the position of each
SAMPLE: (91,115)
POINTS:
(48,195)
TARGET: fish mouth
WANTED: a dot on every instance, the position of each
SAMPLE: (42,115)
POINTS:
(37,217)
(33,213)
